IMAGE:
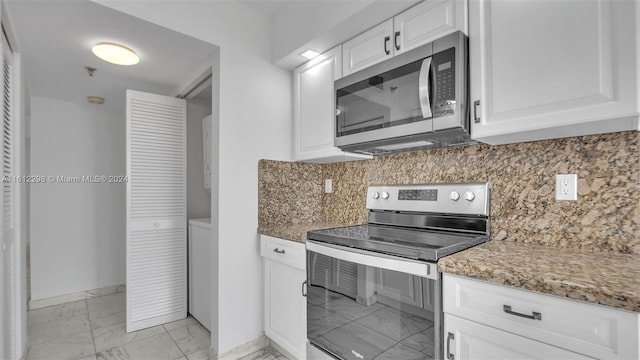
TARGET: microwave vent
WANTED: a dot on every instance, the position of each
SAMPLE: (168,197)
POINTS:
(404,146)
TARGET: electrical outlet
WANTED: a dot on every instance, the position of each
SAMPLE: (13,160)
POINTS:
(566,187)
(328,186)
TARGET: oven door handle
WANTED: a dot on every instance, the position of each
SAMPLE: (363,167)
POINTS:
(363,257)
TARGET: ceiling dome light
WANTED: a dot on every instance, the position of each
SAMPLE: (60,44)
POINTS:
(115,54)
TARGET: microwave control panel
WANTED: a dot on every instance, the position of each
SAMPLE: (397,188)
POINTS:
(444,83)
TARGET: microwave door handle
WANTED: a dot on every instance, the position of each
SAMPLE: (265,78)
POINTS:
(423,88)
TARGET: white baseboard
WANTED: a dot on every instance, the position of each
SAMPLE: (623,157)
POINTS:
(82,295)
(242,350)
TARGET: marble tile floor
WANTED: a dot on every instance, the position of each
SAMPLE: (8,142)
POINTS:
(94,329)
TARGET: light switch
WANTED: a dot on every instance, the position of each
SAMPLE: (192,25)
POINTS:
(328,186)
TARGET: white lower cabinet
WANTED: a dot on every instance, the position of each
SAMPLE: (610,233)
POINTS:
(285,307)
(489,321)
(469,340)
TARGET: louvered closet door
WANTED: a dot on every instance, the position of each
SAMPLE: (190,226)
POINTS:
(7,267)
(156,210)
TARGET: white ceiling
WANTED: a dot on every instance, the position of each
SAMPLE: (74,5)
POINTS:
(55,40)
(265,7)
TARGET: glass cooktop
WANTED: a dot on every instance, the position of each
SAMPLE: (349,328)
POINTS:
(414,244)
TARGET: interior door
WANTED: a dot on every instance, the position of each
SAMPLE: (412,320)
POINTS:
(156,210)
(8,242)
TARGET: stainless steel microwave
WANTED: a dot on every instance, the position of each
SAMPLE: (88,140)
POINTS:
(413,101)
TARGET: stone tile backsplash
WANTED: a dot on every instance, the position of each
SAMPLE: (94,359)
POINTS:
(289,193)
(605,217)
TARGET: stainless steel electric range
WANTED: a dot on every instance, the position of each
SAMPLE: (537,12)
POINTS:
(374,290)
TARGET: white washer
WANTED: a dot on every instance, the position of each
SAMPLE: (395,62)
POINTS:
(200,270)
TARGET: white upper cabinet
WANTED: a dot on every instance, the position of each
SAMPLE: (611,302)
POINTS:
(368,48)
(552,69)
(428,21)
(423,23)
(314,110)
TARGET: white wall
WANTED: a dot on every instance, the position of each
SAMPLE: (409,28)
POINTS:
(77,230)
(198,199)
(253,121)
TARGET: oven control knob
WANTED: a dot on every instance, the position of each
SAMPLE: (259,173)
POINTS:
(375,195)
(469,196)
(385,195)
(454,196)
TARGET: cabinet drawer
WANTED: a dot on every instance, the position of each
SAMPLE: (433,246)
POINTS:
(283,251)
(468,340)
(584,328)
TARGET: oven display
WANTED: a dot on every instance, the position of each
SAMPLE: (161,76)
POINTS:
(421,195)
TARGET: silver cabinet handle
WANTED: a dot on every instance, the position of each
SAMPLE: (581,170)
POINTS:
(423,88)
(276,250)
(450,337)
(304,288)
(476,119)
(534,315)
(386,40)
(395,40)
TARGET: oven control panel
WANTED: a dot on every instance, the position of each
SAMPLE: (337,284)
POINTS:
(463,198)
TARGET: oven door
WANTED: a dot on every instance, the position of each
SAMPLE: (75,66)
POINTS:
(363,305)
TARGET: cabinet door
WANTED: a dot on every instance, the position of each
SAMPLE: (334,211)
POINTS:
(368,48)
(466,339)
(551,69)
(285,315)
(428,21)
(314,109)
(405,287)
